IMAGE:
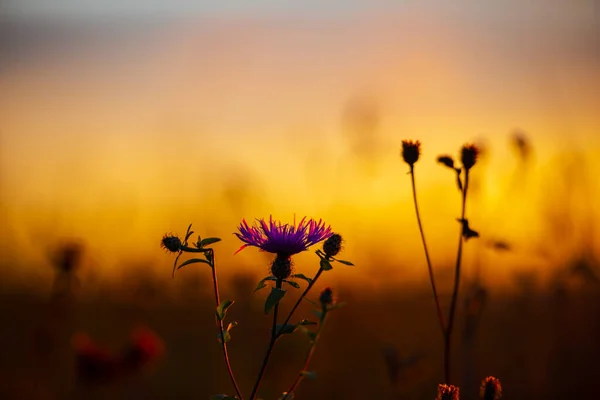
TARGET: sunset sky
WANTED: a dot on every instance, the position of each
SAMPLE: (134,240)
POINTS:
(121,122)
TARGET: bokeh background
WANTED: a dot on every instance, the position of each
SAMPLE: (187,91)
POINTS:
(121,121)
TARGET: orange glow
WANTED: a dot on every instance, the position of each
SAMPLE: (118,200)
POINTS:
(120,143)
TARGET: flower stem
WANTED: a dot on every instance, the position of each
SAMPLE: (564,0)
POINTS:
(310,285)
(440,314)
(309,356)
(278,285)
(221,329)
(448,336)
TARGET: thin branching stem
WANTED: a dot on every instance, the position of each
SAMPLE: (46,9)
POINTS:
(440,314)
(310,285)
(220,327)
(263,368)
(307,359)
(448,337)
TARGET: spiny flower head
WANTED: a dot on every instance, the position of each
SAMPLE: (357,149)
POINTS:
(333,245)
(447,392)
(171,243)
(468,155)
(411,150)
(326,297)
(285,240)
(491,389)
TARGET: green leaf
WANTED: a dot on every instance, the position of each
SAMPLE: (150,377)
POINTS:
(208,241)
(319,314)
(286,329)
(262,283)
(222,397)
(309,374)
(188,233)
(226,335)
(292,283)
(306,322)
(345,262)
(303,277)
(222,309)
(192,261)
(274,297)
(325,264)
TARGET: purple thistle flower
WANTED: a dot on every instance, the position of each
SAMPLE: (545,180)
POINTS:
(285,240)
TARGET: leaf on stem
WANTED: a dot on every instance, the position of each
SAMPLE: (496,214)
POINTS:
(222,309)
(274,297)
(284,329)
(292,284)
(458,180)
(303,277)
(188,233)
(226,335)
(345,262)
(208,241)
(325,264)
(192,261)
(262,283)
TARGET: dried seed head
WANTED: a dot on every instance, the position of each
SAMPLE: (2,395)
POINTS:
(411,150)
(468,155)
(281,267)
(333,245)
(171,243)
(491,389)
(446,160)
(326,297)
(447,392)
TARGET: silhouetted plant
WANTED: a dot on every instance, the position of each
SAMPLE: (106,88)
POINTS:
(411,151)
(491,389)
(284,241)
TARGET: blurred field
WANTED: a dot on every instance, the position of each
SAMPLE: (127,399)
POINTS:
(116,127)
(541,342)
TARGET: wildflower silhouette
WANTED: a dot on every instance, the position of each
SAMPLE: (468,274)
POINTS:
(328,303)
(411,150)
(447,392)
(469,153)
(491,389)
(284,241)
(174,244)
(468,156)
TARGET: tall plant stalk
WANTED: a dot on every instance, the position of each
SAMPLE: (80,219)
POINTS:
(450,327)
(440,314)
(220,327)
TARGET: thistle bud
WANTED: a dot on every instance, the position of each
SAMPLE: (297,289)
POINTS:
(171,243)
(468,155)
(447,392)
(491,389)
(281,267)
(333,245)
(326,297)
(411,150)
(446,160)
